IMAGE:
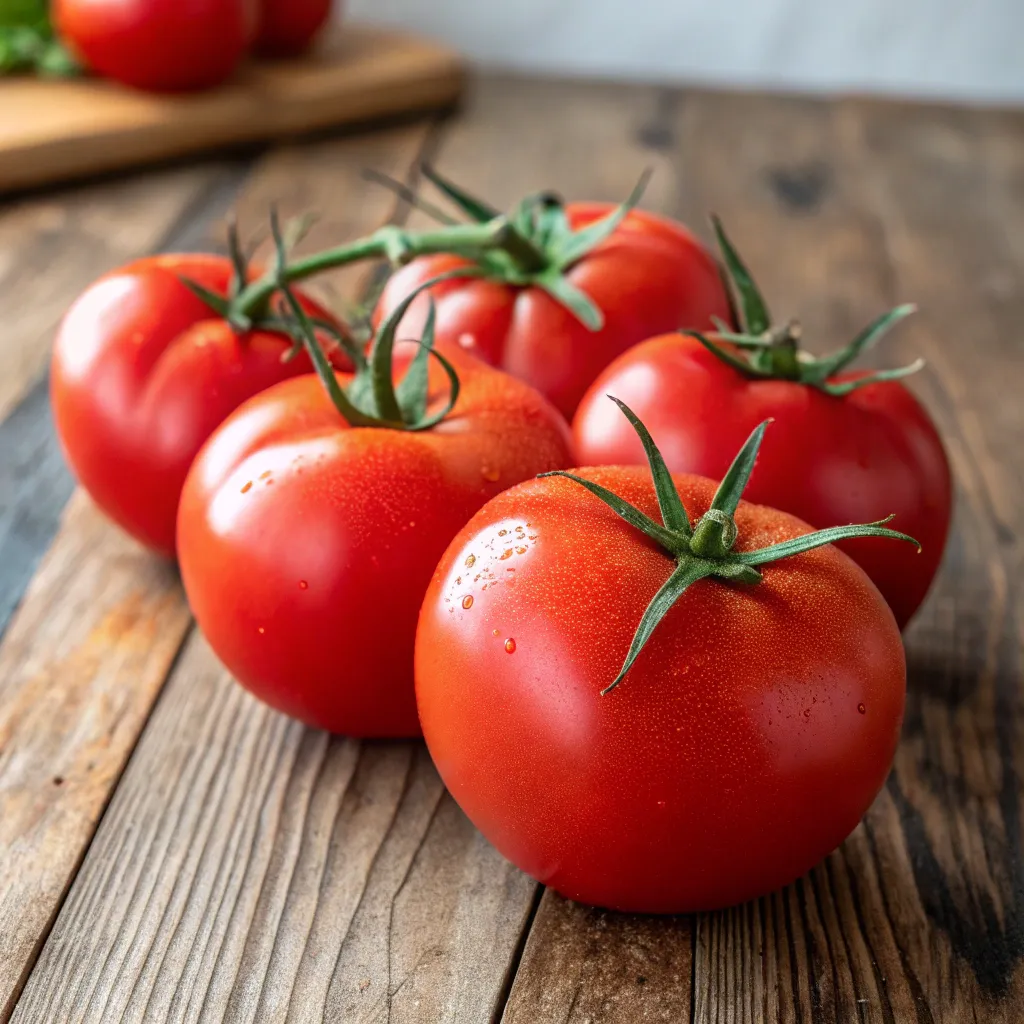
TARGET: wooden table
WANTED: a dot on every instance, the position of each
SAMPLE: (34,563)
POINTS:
(171,850)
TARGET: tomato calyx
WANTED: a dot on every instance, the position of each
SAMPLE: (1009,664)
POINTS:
(371,398)
(706,548)
(761,351)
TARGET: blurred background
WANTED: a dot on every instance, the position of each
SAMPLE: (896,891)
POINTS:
(952,49)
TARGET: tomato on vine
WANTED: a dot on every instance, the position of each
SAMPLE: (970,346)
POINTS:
(652,695)
(313,518)
(846,446)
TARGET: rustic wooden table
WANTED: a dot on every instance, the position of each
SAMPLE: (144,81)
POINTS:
(172,850)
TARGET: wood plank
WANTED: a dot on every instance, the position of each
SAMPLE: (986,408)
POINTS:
(55,130)
(75,692)
(252,869)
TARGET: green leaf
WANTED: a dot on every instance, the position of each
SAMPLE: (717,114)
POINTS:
(581,305)
(735,481)
(673,512)
(684,575)
(821,369)
(583,241)
(412,388)
(622,508)
(475,209)
(844,388)
(817,539)
(752,305)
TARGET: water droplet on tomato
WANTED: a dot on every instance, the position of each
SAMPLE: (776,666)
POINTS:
(467,602)
(501,533)
(661,803)
(521,550)
(303,585)
(247,487)
(863,710)
(491,475)
(507,553)
(466,340)
(265,474)
(260,629)
(470,561)
(510,646)
(413,523)
(495,632)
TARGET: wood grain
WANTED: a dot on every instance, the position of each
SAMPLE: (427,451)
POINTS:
(55,130)
(79,668)
(251,869)
(120,602)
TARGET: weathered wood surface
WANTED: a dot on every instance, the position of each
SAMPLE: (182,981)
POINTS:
(247,869)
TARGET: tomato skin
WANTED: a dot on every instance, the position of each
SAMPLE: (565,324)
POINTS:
(158,45)
(731,758)
(287,27)
(650,276)
(829,461)
(306,545)
(142,373)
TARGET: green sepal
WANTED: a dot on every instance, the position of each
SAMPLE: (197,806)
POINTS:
(220,304)
(583,241)
(577,301)
(411,391)
(454,386)
(673,512)
(734,483)
(753,310)
(840,388)
(738,364)
(819,538)
(476,209)
(818,371)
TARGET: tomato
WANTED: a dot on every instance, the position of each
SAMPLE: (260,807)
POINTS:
(750,734)
(287,27)
(842,450)
(159,45)
(647,276)
(306,543)
(142,373)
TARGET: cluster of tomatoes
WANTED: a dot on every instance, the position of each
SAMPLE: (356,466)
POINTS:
(629,678)
(177,46)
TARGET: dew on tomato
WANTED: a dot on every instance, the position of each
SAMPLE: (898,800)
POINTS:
(467,602)
(510,646)
(303,585)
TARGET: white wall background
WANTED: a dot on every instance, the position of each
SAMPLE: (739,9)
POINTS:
(967,49)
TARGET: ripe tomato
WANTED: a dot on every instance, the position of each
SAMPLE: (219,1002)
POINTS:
(306,543)
(750,735)
(142,373)
(838,453)
(159,45)
(287,27)
(648,275)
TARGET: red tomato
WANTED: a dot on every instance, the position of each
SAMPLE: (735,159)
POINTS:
(828,460)
(650,275)
(287,27)
(747,740)
(159,45)
(142,373)
(306,544)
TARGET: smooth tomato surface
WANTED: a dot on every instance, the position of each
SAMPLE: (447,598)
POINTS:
(650,276)
(829,461)
(287,27)
(159,45)
(747,741)
(142,373)
(306,545)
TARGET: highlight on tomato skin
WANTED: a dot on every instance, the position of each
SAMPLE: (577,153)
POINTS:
(745,741)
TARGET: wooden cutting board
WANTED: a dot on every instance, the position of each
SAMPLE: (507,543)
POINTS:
(55,130)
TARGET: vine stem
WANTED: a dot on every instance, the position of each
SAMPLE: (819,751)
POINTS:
(398,246)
